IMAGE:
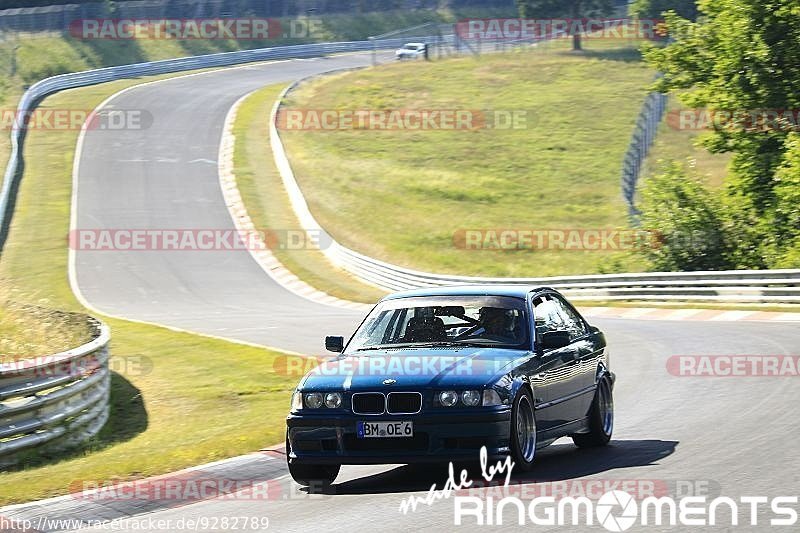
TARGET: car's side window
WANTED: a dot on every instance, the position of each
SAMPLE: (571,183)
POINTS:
(570,319)
(547,316)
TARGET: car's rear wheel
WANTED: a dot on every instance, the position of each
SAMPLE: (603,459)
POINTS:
(523,430)
(311,475)
(601,418)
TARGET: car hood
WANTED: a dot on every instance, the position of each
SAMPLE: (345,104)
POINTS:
(413,369)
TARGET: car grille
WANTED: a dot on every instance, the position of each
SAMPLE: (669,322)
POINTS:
(369,403)
(404,403)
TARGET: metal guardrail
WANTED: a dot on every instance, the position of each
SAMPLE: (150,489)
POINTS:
(54,84)
(55,401)
(738,286)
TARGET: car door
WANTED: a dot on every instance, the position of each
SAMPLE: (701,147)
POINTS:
(586,358)
(557,376)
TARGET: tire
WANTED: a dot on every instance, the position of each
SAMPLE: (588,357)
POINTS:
(601,419)
(311,475)
(522,436)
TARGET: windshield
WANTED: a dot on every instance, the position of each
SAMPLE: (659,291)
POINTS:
(412,46)
(454,320)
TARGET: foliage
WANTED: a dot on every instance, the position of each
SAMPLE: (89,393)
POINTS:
(656,8)
(740,61)
(686,221)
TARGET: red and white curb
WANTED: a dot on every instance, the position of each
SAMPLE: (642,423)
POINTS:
(244,224)
(713,315)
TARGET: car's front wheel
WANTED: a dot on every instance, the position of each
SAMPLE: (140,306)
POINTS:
(601,418)
(310,475)
(523,430)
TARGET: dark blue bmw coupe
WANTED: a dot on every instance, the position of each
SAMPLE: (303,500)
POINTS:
(436,374)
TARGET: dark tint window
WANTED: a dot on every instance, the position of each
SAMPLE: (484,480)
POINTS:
(470,320)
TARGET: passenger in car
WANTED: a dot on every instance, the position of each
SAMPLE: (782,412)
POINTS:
(425,327)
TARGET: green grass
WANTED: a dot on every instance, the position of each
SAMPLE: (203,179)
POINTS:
(401,196)
(27,331)
(28,58)
(177,412)
(268,204)
(47,54)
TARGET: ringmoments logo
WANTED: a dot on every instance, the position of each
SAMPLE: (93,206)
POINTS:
(618,510)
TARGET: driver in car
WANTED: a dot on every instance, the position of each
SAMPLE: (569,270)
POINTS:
(498,325)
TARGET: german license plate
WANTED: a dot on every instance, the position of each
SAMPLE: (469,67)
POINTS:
(382,430)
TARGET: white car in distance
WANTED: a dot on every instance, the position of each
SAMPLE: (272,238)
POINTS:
(411,51)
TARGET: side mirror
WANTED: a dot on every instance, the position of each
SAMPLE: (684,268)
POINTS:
(553,340)
(334,344)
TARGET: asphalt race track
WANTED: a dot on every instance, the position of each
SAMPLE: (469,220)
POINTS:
(734,436)
(165,178)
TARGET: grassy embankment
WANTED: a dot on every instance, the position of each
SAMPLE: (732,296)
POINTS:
(402,196)
(169,413)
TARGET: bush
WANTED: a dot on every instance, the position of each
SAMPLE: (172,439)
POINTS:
(687,220)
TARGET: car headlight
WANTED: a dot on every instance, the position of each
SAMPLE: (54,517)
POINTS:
(333,400)
(448,398)
(313,400)
(490,397)
(297,401)
(471,398)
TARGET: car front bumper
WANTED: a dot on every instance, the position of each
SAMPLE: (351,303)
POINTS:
(439,437)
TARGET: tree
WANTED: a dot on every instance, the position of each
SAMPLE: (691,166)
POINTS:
(575,9)
(741,62)
(786,215)
(655,9)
